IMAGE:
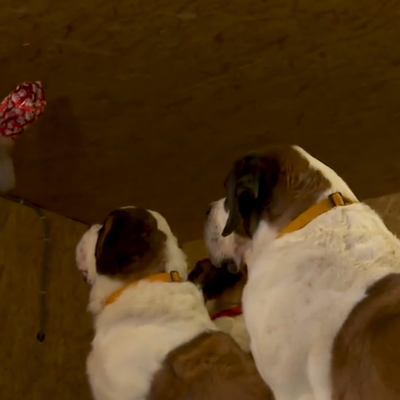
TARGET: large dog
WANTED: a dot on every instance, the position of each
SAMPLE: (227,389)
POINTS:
(322,302)
(154,339)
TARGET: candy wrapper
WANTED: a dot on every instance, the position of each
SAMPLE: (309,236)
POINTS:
(21,108)
(18,111)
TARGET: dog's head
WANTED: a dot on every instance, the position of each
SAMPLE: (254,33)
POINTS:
(132,243)
(273,187)
(217,282)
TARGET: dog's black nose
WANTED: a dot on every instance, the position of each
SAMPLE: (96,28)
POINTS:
(230,265)
(208,210)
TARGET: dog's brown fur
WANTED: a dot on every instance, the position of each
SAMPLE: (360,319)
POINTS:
(130,246)
(210,367)
(366,351)
(276,184)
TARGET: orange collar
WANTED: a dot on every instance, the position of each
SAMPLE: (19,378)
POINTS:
(172,276)
(332,201)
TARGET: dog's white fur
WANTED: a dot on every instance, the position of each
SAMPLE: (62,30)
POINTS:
(235,327)
(148,320)
(303,285)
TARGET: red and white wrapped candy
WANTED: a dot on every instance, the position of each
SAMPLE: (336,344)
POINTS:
(21,108)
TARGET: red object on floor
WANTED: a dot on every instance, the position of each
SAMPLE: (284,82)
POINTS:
(21,108)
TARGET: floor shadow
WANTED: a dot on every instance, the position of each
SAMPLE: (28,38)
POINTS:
(47,158)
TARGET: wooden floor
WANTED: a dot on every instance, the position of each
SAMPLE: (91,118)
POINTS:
(150,101)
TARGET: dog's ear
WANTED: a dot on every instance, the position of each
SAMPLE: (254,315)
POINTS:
(242,187)
(241,193)
(248,186)
(202,272)
(128,242)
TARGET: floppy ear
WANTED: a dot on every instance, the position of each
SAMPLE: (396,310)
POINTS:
(249,187)
(128,242)
(242,191)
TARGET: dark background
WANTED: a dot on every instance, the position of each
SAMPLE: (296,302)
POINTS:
(150,101)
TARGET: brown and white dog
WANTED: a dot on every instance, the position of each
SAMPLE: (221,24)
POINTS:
(154,339)
(222,291)
(322,301)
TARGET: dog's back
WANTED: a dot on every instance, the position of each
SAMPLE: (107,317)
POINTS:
(210,367)
(366,352)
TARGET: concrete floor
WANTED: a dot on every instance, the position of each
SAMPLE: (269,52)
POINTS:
(149,101)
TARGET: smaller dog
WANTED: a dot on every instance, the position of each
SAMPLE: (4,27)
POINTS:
(154,339)
(222,291)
